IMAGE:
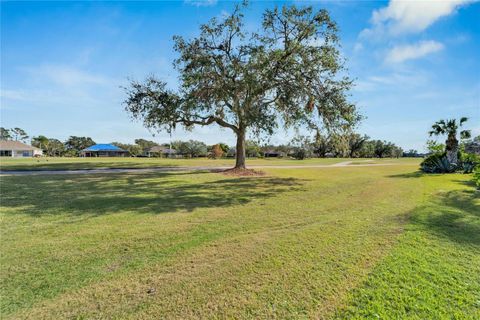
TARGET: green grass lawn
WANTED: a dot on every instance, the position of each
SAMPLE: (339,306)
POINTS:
(48,163)
(350,242)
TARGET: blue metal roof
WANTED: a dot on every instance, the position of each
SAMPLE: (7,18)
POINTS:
(103,147)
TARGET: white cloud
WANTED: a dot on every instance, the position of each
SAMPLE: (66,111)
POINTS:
(201,3)
(358,47)
(404,79)
(51,86)
(65,75)
(402,16)
(414,51)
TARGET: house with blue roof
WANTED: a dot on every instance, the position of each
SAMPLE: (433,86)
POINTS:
(103,150)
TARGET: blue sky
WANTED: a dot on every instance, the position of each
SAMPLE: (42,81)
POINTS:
(62,63)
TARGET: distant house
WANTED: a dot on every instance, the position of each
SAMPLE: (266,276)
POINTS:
(103,150)
(10,148)
(273,154)
(160,151)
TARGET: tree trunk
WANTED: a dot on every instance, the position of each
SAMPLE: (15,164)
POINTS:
(240,154)
(451,148)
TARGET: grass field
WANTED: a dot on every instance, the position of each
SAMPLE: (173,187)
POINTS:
(97,163)
(341,242)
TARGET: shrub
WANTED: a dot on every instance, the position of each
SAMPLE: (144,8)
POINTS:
(468,162)
(300,154)
(437,163)
(476,176)
(216,152)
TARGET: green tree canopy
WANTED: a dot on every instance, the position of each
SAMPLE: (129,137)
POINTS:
(40,142)
(289,74)
(50,147)
(145,144)
(5,134)
(75,144)
(55,148)
(18,134)
(190,148)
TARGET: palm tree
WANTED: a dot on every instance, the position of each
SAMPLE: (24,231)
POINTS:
(449,128)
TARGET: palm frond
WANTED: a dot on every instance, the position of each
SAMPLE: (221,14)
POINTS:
(465,134)
(437,129)
(462,120)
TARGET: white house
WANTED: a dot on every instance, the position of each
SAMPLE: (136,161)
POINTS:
(10,148)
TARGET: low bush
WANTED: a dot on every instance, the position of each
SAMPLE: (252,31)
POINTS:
(437,163)
(300,154)
(468,162)
(476,176)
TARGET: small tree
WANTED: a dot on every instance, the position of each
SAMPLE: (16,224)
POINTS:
(450,129)
(289,73)
(217,151)
(435,147)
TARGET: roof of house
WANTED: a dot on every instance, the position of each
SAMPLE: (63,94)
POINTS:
(169,151)
(271,151)
(162,149)
(15,145)
(104,147)
(157,149)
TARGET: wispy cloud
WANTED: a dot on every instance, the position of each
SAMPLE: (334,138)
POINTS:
(401,16)
(51,85)
(201,3)
(65,76)
(400,54)
(405,79)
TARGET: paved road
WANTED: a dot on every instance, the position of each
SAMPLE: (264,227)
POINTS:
(196,168)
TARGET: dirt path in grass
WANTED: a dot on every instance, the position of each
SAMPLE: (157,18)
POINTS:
(193,168)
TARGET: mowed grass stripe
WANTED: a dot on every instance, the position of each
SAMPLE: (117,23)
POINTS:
(333,190)
(278,247)
(434,271)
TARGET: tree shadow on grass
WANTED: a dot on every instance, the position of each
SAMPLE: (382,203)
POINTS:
(416,174)
(81,164)
(454,215)
(152,193)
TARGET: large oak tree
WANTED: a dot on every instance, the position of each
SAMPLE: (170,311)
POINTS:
(288,74)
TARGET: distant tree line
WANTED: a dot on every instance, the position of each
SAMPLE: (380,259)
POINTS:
(349,145)
(352,145)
